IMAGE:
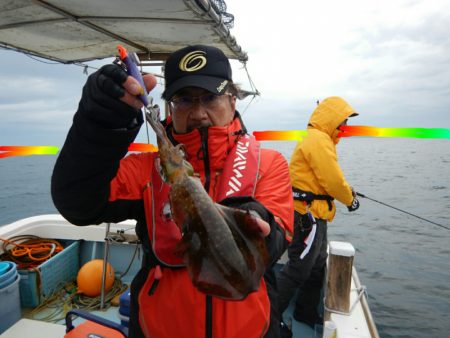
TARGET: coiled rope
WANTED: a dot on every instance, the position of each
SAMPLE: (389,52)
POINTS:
(55,307)
(29,251)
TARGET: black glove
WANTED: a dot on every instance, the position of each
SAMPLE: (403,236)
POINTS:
(100,99)
(354,206)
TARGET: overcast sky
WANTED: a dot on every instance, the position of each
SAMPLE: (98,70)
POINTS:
(389,59)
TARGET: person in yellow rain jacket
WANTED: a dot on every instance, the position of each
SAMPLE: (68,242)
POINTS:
(317,180)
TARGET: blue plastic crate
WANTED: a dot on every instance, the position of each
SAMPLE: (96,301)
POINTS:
(35,286)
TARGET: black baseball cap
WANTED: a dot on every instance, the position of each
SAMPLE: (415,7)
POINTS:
(201,66)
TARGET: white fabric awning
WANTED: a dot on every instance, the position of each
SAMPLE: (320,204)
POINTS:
(80,30)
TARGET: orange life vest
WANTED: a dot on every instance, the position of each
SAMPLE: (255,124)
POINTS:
(238,179)
(169,305)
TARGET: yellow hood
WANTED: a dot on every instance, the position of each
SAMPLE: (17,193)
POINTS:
(329,114)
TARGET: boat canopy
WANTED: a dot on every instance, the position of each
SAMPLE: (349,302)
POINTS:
(72,31)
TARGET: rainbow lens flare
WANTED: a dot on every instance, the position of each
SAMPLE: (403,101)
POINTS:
(269,135)
(394,132)
(347,131)
(143,147)
(288,135)
(7,151)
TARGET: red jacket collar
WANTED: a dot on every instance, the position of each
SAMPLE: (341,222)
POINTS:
(219,140)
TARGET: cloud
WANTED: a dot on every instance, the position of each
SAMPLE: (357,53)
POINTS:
(39,98)
(389,59)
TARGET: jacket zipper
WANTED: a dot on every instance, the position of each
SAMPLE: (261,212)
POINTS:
(204,145)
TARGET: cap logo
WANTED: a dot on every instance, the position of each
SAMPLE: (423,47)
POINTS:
(193,61)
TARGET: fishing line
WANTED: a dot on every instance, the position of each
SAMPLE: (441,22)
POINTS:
(248,105)
(252,84)
(406,212)
(254,91)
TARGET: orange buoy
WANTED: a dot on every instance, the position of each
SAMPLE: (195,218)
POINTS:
(89,278)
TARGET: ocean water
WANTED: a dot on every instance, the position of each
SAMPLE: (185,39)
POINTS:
(404,262)
(25,187)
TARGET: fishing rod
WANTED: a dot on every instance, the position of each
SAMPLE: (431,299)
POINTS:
(406,212)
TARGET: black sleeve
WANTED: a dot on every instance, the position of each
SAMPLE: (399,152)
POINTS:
(102,130)
(275,241)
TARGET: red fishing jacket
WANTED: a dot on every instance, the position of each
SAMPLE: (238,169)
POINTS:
(94,182)
(171,306)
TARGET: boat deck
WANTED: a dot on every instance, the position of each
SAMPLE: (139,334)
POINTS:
(122,256)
